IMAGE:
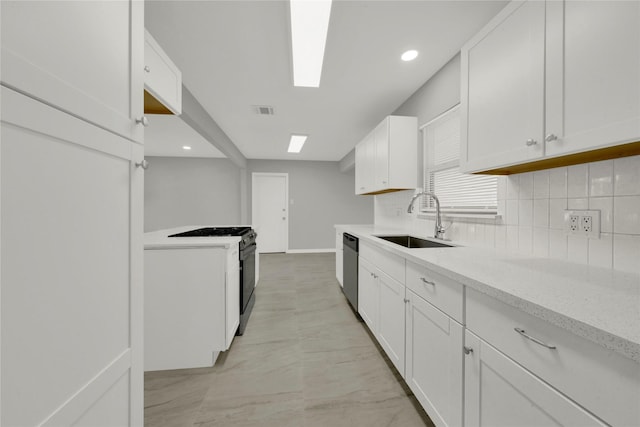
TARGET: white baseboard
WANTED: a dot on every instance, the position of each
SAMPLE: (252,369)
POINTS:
(310,251)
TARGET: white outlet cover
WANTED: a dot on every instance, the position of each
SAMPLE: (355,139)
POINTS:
(594,233)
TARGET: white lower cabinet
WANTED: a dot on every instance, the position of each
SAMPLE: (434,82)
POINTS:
(499,392)
(434,361)
(368,294)
(381,303)
(473,360)
(391,320)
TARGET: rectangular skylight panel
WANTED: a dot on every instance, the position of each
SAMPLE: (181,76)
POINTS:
(309,25)
(296,143)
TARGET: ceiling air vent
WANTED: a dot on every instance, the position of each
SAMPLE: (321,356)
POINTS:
(263,110)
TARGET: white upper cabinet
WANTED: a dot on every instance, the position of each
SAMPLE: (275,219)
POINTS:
(162,80)
(545,80)
(593,75)
(386,159)
(96,78)
(503,89)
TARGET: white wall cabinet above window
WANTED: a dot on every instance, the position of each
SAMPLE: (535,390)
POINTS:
(162,80)
(386,157)
(547,84)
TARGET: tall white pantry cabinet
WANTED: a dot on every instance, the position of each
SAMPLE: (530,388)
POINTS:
(71,213)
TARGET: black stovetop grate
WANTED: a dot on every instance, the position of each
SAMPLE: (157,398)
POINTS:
(213,232)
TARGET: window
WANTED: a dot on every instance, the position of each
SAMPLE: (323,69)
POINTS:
(457,192)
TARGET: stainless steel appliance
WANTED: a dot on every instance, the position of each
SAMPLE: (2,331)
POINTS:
(350,269)
(247,256)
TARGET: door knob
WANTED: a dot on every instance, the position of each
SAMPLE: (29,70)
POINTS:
(531,142)
(550,137)
(143,164)
(283,218)
(143,121)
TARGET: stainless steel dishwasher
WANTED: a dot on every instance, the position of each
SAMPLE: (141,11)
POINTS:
(350,269)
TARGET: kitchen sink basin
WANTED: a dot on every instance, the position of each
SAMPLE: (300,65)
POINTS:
(413,242)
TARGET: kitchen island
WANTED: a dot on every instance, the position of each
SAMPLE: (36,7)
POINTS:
(191,296)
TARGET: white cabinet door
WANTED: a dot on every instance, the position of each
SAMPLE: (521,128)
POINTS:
(381,164)
(71,266)
(502,93)
(434,361)
(365,165)
(162,79)
(85,58)
(368,294)
(499,392)
(232,291)
(593,83)
(391,319)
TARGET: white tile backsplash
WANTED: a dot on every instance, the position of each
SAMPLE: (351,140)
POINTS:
(601,179)
(532,208)
(541,213)
(558,183)
(627,176)
(626,215)
(541,184)
(577,181)
(526,186)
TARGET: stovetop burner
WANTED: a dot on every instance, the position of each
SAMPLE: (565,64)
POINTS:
(213,231)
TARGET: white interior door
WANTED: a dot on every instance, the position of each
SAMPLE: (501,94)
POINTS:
(270,212)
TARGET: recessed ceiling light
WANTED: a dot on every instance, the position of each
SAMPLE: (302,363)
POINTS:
(186,147)
(409,55)
(309,25)
(296,143)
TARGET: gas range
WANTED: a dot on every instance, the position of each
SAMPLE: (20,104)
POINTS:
(247,234)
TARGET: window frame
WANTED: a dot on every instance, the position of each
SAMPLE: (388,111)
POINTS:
(427,205)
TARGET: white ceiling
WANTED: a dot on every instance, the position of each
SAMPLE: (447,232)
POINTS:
(236,54)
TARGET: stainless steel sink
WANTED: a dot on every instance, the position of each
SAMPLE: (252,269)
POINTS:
(413,242)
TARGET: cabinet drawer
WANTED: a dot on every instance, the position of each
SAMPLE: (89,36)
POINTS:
(442,292)
(602,381)
(391,264)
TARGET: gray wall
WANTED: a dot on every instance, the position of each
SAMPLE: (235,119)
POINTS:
(181,191)
(323,196)
(438,94)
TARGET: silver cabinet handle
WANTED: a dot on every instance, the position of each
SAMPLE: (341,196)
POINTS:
(535,340)
(406,300)
(428,282)
(143,164)
(147,69)
(467,350)
(143,121)
(550,137)
(531,142)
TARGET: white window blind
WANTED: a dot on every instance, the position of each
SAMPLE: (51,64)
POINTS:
(457,192)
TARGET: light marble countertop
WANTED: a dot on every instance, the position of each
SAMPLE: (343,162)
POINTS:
(601,305)
(159,239)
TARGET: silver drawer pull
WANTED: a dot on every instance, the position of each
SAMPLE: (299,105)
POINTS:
(424,280)
(535,340)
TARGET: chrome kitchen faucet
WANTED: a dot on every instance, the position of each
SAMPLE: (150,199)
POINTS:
(439,230)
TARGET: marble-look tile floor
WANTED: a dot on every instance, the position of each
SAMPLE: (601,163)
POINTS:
(304,361)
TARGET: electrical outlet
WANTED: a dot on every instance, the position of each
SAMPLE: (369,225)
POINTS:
(573,222)
(582,223)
